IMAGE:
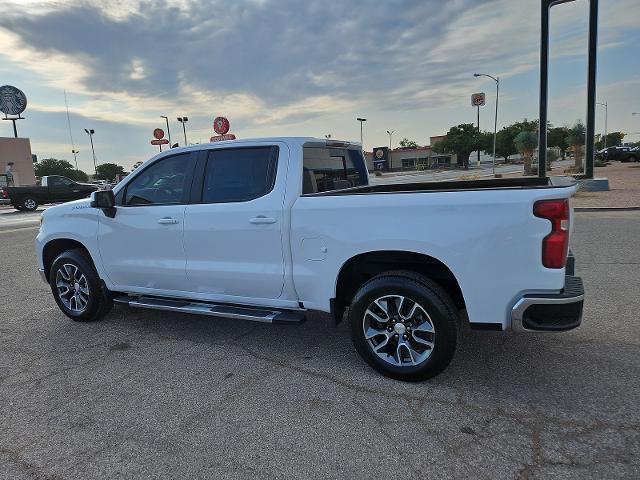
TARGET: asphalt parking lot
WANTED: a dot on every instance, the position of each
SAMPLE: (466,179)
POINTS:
(148,394)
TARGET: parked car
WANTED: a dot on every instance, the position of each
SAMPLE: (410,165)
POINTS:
(52,188)
(269,229)
(623,154)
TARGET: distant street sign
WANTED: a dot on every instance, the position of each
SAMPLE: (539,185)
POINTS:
(158,133)
(221,125)
(159,141)
(219,138)
(13,101)
(477,99)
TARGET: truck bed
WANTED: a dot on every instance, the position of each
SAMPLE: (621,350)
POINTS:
(459,185)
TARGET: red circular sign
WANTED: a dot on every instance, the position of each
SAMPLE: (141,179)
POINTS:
(221,125)
(158,133)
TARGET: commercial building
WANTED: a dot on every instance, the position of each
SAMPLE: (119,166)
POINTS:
(420,158)
(18,152)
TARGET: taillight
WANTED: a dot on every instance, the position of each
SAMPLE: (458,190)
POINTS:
(556,244)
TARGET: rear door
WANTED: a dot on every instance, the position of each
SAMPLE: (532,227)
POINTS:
(233,231)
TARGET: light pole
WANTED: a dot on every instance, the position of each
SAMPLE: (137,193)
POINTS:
(75,156)
(495,120)
(361,120)
(90,133)
(390,133)
(184,120)
(166,119)
(606,117)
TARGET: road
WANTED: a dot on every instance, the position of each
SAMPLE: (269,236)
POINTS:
(485,170)
(147,394)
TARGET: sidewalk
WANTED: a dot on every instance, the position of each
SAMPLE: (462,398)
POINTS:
(624,181)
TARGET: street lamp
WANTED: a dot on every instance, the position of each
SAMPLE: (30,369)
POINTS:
(606,116)
(495,120)
(390,133)
(75,156)
(90,133)
(361,120)
(184,120)
(166,119)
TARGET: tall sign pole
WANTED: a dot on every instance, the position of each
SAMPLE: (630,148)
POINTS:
(478,100)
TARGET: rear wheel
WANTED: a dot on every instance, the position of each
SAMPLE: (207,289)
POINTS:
(76,287)
(29,204)
(404,326)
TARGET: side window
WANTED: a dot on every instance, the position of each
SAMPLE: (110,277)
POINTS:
(162,183)
(239,174)
(326,169)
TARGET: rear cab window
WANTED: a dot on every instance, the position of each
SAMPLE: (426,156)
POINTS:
(330,168)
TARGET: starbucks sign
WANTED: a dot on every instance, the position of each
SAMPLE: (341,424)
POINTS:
(13,101)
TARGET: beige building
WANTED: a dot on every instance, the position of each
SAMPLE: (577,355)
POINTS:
(18,151)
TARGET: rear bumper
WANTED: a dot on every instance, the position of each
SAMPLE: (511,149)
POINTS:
(550,312)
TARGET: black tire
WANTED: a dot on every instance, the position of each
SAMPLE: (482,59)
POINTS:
(29,204)
(99,301)
(436,303)
(633,159)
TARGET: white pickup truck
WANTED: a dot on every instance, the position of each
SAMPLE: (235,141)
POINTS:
(267,229)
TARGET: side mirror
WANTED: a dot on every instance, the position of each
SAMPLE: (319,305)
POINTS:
(105,200)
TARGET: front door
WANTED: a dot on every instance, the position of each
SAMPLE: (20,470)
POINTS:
(233,234)
(142,246)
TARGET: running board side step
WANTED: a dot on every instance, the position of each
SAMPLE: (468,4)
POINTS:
(282,317)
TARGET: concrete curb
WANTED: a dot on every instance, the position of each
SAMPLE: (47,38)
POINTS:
(605,209)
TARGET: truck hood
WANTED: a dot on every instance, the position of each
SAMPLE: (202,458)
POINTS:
(68,207)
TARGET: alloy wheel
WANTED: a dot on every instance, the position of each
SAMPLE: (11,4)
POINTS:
(399,330)
(72,286)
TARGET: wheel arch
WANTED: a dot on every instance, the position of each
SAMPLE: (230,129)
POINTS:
(55,247)
(364,266)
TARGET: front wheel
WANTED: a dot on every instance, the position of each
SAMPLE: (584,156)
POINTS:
(76,287)
(404,326)
(29,204)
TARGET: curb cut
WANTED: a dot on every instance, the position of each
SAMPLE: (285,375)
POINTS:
(605,209)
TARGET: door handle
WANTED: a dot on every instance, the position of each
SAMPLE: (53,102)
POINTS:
(261,219)
(167,221)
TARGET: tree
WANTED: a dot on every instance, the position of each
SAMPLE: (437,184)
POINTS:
(108,171)
(557,137)
(53,166)
(461,140)
(526,142)
(504,142)
(613,140)
(79,176)
(406,143)
(576,138)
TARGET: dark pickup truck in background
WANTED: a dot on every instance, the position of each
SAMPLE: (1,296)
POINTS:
(622,154)
(52,188)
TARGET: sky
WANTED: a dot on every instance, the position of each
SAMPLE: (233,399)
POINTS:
(294,67)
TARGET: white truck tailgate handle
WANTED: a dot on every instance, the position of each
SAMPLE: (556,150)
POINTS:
(262,219)
(167,221)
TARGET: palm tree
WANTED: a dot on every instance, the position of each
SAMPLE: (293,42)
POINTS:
(576,138)
(526,143)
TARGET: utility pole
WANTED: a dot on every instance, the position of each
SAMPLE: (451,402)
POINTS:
(183,121)
(606,118)
(93,151)
(75,156)
(361,120)
(166,119)
(390,132)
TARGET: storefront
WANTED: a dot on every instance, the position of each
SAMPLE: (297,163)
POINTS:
(16,161)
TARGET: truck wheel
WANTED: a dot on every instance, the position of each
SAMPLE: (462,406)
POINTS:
(404,325)
(633,159)
(76,287)
(29,204)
